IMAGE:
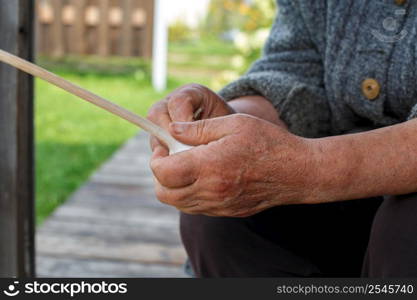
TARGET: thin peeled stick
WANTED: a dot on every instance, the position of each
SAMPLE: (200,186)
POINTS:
(32,69)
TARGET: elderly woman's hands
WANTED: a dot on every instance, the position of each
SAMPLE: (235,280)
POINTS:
(243,165)
(182,105)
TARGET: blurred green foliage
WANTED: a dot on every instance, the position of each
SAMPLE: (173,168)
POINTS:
(243,15)
(179,31)
(256,19)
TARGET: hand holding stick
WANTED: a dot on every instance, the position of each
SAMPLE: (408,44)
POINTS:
(32,69)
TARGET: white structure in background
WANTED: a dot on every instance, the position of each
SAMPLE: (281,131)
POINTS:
(188,11)
(160,47)
(166,12)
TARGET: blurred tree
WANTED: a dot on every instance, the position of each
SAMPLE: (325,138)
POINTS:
(243,15)
(179,31)
(256,19)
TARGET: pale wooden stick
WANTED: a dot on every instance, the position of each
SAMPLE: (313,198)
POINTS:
(30,68)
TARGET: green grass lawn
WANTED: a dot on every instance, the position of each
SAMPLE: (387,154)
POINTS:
(200,60)
(74,137)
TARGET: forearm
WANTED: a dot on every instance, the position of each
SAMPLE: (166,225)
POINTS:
(256,106)
(373,163)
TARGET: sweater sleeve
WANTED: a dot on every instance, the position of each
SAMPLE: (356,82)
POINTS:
(289,74)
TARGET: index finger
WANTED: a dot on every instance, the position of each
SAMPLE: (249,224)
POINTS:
(185,106)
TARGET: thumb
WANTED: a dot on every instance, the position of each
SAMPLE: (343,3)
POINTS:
(204,131)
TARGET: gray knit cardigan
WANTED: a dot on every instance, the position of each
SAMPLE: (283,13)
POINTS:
(317,56)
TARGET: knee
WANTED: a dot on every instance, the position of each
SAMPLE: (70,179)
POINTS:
(210,233)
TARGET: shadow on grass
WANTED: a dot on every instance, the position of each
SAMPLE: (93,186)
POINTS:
(62,168)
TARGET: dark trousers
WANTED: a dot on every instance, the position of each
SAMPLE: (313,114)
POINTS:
(326,240)
(392,250)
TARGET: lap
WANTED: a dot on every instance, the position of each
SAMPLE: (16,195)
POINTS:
(309,240)
(392,250)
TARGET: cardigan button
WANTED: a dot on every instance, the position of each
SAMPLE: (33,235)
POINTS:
(371,88)
(400,2)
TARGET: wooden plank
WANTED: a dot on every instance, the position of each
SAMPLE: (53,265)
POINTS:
(38,30)
(106,229)
(113,232)
(103,30)
(57,29)
(134,216)
(16,144)
(127,28)
(79,27)
(94,248)
(149,6)
(51,266)
(122,179)
(83,198)
(126,170)
(115,191)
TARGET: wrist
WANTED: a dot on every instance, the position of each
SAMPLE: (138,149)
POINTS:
(334,164)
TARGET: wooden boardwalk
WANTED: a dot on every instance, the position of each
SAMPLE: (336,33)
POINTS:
(113,226)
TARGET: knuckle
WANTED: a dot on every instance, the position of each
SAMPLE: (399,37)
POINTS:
(194,210)
(156,168)
(152,114)
(156,110)
(192,90)
(239,118)
(190,211)
(240,121)
(161,195)
(165,197)
(183,90)
(160,175)
(195,86)
(177,102)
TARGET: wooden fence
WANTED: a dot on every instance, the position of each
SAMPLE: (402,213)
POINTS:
(96,27)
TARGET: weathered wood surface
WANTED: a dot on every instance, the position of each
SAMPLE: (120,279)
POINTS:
(113,226)
(16,144)
(92,27)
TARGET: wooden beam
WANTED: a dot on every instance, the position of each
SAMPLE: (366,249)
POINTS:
(16,144)
(57,29)
(149,6)
(79,26)
(127,28)
(103,30)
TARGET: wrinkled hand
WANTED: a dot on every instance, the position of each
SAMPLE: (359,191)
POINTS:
(243,165)
(182,105)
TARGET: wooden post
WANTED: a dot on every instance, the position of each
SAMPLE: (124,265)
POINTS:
(57,29)
(149,28)
(16,144)
(103,30)
(79,26)
(127,28)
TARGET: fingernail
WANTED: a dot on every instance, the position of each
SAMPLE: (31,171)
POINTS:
(177,128)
